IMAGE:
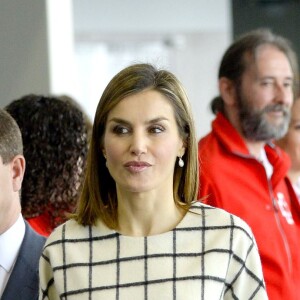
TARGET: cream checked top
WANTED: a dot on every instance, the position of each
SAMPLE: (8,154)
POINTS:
(210,255)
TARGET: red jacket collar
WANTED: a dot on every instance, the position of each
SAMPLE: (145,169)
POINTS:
(229,136)
(234,143)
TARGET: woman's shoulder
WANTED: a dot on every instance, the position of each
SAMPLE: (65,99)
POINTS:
(219,226)
(71,231)
(218,217)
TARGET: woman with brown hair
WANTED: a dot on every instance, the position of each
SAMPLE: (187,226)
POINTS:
(139,232)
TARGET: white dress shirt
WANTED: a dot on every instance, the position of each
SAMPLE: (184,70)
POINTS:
(10,243)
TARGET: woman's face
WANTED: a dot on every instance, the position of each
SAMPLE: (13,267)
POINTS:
(142,142)
(292,140)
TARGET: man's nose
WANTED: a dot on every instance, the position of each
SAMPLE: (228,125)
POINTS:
(283,94)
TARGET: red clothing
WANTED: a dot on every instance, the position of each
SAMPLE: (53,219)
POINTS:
(41,224)
(47,221)
(231,178)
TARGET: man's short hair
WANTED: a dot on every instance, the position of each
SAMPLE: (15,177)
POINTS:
(10,138)
(236,59)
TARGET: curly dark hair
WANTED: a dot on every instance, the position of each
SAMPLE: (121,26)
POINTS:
(55,148)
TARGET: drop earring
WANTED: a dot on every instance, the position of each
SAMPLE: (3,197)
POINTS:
(180,162)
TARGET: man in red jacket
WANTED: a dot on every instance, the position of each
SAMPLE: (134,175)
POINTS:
(242,171)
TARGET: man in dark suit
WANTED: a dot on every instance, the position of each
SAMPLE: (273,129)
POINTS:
(20,246)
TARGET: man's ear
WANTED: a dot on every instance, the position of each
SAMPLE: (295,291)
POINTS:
(18,169)
(228,91)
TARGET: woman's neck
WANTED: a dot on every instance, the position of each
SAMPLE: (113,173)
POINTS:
(147,213)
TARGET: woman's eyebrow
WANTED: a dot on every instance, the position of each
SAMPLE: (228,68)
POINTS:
(125,122)
(119,121)
(158,119)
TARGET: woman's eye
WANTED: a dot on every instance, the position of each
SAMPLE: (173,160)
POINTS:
(297,127)
(156,129)
(119,129)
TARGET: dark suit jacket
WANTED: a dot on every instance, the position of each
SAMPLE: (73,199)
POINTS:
(23,283)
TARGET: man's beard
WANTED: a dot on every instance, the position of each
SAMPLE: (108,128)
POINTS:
(255,125)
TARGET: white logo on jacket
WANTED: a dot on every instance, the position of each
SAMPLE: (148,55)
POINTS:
(284,208)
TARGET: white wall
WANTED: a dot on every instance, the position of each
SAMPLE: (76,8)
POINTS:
(162,16)
(39,39)
(197,68)
(36,53)
(203,26)
(23,50)
(60,34)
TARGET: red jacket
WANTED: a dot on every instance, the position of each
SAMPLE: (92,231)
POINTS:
(231,178)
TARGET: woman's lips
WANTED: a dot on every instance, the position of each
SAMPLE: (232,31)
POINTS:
(136,166)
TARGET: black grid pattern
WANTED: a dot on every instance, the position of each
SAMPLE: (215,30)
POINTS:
(209,255)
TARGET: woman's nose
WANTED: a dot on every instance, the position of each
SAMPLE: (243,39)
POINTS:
(138,144)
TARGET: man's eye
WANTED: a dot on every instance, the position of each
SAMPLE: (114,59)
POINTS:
(120,129)
(287,84)
(267,83)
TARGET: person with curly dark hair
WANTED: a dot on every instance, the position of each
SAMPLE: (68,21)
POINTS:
(54,135)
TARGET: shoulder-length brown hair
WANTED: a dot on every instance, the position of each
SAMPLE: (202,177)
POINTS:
(99,198)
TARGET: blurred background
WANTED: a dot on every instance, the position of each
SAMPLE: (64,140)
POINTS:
(74,47)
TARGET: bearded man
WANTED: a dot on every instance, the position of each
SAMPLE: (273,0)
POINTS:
(242,171)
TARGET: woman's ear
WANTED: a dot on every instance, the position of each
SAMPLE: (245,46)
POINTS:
(104,153)
(182,148)
(228,91)
(18,169)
